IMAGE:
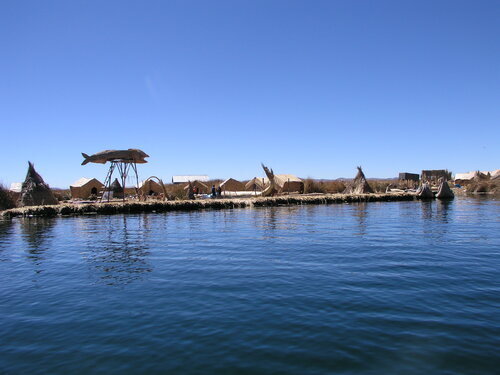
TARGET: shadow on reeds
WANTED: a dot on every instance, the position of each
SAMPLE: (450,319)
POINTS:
(6,199)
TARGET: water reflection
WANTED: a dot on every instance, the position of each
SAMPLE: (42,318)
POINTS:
(437,216)
(120,256)
(37,234)
(5,230)
(277,222)
(444,209)
(360,213)
(426,207)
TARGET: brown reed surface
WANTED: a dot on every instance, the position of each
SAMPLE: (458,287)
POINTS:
(6,199)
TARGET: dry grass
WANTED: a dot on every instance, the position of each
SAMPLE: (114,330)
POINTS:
(380,186)
(6,200)
(62,194)
(488,187)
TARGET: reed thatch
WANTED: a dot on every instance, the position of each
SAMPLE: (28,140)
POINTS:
(272,188)
(232,185)
(359,185)
(198,185)
(444,191)
(190,190)
(117,189)
(150,187)
(6,199)
(84,188)
(255,184)
(35,192)
(425,192)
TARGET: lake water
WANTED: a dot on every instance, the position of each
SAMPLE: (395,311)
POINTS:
(377,288)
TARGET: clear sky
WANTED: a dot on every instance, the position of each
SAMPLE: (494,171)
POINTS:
(312,88)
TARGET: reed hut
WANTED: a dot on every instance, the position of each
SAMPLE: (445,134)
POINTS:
(287,183)
(409,178)
(232,185)
(255,184)
(198,186)
(433,175)
(85,188)
(150,187)
(359,185)
(117,189)
(35,192)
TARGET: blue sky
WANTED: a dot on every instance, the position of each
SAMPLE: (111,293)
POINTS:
(312,88)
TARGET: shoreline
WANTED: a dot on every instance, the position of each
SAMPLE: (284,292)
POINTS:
(134,207)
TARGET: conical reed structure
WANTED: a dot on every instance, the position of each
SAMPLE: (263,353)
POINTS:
(359,185)
(35,192)
(117,189)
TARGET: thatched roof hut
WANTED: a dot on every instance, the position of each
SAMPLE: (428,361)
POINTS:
(200,186)
(150,187)
(232,185)
(35,192)
(84,188)
(287,183)
(255,184)
(435,174)
(117,189)
(359,185)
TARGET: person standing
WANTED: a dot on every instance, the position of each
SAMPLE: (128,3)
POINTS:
(213,191)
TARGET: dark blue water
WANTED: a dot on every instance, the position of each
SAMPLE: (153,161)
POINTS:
(378,288)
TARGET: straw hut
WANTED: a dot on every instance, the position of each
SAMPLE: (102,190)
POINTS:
(84,188)
(434,175)
(34,191)
(117,189)
(464,178)
(287,183)
(359,185)
(405,177)
(255,184)
(150,187)
(232,185)
(199,187)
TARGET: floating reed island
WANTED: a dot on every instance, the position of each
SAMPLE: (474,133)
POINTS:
(134,207)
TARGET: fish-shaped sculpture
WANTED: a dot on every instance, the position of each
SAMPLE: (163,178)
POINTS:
(132,155)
